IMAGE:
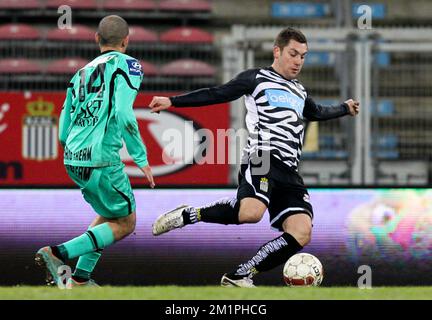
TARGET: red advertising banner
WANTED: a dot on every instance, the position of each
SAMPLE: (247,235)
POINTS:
(181,143)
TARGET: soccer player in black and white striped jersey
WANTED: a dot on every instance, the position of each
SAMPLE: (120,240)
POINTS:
(278,108)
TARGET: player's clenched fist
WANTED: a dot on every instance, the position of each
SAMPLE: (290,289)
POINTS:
(354,106)
(159,103)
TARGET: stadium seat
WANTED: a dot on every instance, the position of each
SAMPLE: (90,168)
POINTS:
(320,59)
(327,142)
(186,35)
(129,5)
(66,66)
(309,155)
(386,154)
(140,34)
(18,66)
(329,148)
(76,33)
(387,141)
(299,10)
(188,67)
(378,10)
(19,4)
(149,69)
(185,5)
(385,146)
(15,31)
(385,107)
(382,59)
(332,154)
(74,4)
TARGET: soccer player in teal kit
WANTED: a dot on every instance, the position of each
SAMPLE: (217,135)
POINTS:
(97,114)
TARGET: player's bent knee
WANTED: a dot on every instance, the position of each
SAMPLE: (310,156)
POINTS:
(251,210)
(300,227)
(248,217)
(302,236)
(129,229)
(131,223)
(306,237)
(126,226)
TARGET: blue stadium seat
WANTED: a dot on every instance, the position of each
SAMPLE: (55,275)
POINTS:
(309,155)
(384,108)
(299,10)
(378,10)
(387,141)
(327,142)
(382,59)
(386,154)
(319,59)
(386,146)
(333,154)
(325,154)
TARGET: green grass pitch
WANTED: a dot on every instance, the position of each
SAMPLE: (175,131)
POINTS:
(215,293)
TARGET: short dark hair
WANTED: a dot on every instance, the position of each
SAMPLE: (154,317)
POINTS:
(287,34)
(112,30)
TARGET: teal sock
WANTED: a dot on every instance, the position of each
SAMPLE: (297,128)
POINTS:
(86,264)
(95,238)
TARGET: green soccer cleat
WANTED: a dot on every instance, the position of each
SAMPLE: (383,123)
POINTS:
(46,259)
(71,283)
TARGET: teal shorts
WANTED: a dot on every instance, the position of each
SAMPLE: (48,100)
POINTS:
(106,189)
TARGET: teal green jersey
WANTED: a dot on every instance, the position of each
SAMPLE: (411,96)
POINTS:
(98,113)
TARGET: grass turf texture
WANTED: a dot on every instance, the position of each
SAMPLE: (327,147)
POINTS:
(215,293)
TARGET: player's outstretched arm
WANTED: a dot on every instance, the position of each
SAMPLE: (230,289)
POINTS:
(315,112)
(230,91)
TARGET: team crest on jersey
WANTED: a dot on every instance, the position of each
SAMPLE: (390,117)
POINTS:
(134,67)
(264,184)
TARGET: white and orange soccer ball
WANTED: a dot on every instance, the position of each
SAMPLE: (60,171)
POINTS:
(303,270)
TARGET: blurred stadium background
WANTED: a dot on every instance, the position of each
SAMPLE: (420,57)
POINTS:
(382,158)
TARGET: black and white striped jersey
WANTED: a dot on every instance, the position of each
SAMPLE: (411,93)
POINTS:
(277,111)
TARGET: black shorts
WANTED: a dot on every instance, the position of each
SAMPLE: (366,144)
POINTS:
(282,190)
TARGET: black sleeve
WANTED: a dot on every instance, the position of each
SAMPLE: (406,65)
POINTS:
(232,90)
(316,112)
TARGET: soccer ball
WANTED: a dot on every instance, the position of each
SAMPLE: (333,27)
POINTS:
(303,270)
